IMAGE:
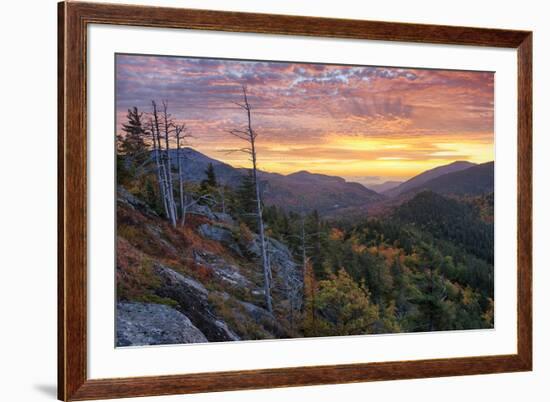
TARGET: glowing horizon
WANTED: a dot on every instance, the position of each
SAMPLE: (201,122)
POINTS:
(366,124)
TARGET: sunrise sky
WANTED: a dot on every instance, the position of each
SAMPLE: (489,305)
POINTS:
(366,124)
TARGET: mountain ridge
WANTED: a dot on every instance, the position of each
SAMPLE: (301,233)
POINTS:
(475,180)
(333,195)
(428,175)
(301,190)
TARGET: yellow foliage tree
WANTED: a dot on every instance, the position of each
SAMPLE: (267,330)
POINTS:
(340,307)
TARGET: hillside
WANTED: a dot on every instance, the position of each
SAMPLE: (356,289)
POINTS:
(202,282)
(424,177)
(448,219)
(476,180)
(309,191)
(197,283)
(297,191)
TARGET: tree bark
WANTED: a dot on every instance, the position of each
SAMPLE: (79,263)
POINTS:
(261,229)
(156,151)
(169,178)
(179,132)
(304,254)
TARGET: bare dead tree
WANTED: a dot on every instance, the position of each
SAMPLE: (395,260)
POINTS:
(157,149)
(181,136)
(249,135)
(168,126)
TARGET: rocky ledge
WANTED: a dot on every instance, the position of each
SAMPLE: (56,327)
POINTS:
(139,324)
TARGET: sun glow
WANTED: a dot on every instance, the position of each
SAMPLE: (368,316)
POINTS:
(391,159)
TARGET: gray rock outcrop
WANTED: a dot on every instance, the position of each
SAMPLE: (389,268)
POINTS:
(220,234)
(127,198)
(140,324)
(203,210)
(192,299)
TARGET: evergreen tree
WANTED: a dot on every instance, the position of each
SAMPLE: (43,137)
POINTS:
(317,241)
(246,201)
(132,144)
(210,182)
(132,151)
(435,312)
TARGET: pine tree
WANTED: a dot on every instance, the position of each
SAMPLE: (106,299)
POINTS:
(246,201)
(132,150)
(210,182)
(317,235)
(132,144)
(434,311)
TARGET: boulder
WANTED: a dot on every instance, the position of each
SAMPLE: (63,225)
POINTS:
(224,218)
(203,210)
(220,234)
(192,299)
(216,233)
(139,324)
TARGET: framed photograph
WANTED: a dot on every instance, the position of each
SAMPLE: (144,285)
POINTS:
(252,201)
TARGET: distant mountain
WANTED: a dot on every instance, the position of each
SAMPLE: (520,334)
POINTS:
(426,176)
(293,192)
(476,180)
(386,186)
(315,191)
(195,163)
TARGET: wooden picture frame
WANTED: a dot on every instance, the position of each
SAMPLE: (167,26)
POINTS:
(73,382)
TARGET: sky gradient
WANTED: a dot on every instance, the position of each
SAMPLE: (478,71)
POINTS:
(366,124)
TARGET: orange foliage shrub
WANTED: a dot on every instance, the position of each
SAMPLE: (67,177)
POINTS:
(336,234)
(203,273)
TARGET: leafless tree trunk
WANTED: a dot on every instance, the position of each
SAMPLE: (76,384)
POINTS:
(184,207)
(168,128)
(249,135)
(180,138)
(159,165)
(303,246)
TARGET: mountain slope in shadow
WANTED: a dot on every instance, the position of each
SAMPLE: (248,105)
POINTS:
(476,180)
(426,176)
